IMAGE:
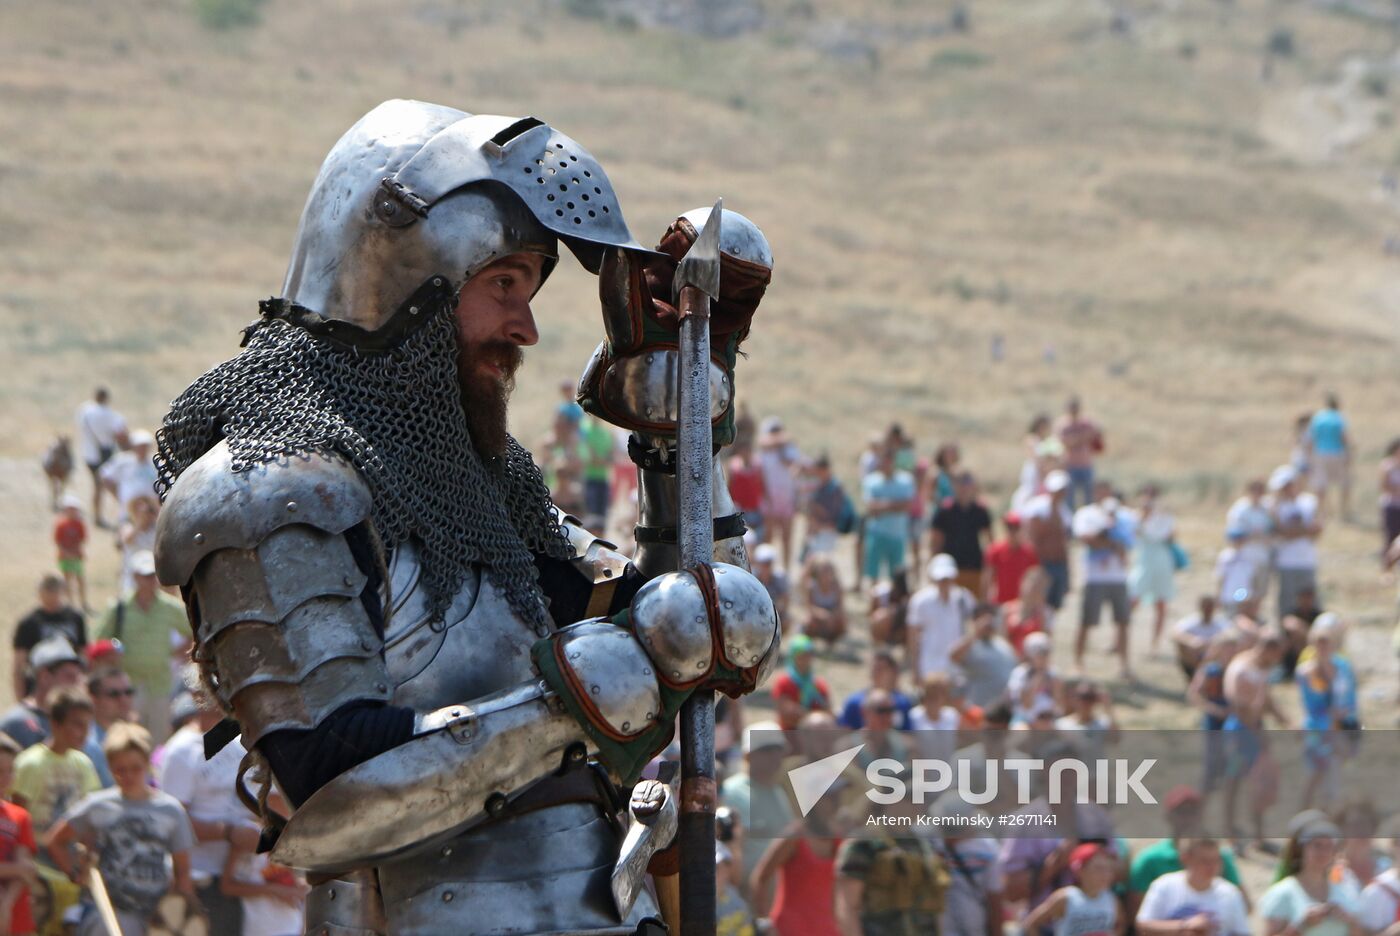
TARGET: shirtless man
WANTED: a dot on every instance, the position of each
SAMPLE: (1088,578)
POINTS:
(1249,700)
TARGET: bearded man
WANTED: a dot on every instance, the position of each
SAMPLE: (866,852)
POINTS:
(452,683)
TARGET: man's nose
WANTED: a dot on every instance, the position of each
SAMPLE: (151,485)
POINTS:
(520,326)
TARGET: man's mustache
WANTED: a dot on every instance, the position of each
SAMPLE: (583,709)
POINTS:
(503,354)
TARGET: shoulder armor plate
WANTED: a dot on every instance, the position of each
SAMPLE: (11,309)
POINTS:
(212,507)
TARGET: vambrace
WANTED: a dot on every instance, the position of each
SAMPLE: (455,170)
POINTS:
(658,549)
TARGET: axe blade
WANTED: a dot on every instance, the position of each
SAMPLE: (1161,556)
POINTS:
(699,268)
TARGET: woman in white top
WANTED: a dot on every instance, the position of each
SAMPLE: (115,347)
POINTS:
(1308,902)
(1152,578)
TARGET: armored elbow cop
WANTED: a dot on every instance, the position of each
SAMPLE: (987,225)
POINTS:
(624,680)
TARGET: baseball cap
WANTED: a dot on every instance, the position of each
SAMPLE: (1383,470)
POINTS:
(771,425)
(53,652)
(1056,481)
(800,644)
(141,437)
(71,502)
(104,652)
(1037,642)
(1082,855)
(763,736)
(1282,476)
(1011,518)
(942,567)
(765,552)
(143,562)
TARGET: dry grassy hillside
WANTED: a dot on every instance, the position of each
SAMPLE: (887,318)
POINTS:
(1202,247)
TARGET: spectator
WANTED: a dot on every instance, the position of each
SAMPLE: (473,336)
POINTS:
(17,850)
(1030,613)
(1107,538)
(1007,562)
(53,775)
(778,457)
(54,617)
(1196,899)
(1032,475)
(937,614)
(891,884)
(139,837)
(1207,693)
(1307,901)
(935,721)
(152,627)
(1048,522)
(206,789)
(824,616)
(973,904)
(1300,457)
(803,861)
(1033,686)
(562,455)
(1184,809)
(889,611)
(906,459)
(879,738)
(994,747)
(1247,694)
(746,489)
(131,473)
(1083,442)
(69,536)
(1155,558)
(886,492)
(758,794)
(1380,901)
(55,666)
(101,432)
(829,510)
(1252,517)
(1331,454)
(960,527)
(941,486)
(986,658)
(732,914)
(1088,905)
(1085,726)
(884,674)
(1298,524)
(774,579)
(137,534)
(798,689)
(1360,856)
(1296,626)
(597,471)
(1236,575)
(112,696)
(1390,495)
(1327,687)
(1193,634)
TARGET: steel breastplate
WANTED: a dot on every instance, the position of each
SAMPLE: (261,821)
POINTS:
(547,871)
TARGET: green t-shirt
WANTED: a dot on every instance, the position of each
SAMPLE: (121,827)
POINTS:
(598,450)
(146,637)
(51,784)
(1161,858)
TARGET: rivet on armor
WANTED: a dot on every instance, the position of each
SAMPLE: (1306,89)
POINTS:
(594,689)
(291,506)
(365,645)
(437,280)
(754,658)
(447,896)
(675,674)
(456,713)
(607,573)
(646,671)
(380,687)
(700,666)
(729,606)
(330,894)
(651,715)
(447,851)
(412,310)
(627,726)
(349,580)
(198,538)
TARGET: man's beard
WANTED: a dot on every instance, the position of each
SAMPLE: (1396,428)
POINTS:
(484,397)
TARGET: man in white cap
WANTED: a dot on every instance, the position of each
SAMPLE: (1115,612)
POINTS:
(132,473)
(55,664)
(937,614)
(152,627)
(759,794)
(1048,518)
(1297,525)
(765,569)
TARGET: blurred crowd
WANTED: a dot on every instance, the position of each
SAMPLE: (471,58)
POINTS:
(947,602)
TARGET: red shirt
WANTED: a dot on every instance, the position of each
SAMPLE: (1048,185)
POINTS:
(746,486)
(1019,627)
(16,832)
(68,535)
(783,686)
(804,904)
(1009,563)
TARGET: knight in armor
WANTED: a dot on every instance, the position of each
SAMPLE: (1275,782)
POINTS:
(452,682)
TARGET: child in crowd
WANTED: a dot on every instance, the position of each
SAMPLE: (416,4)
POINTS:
(53,775)
(17,848)
(136,834)
(69,535)
(1086,908)
(273,896)
(824,618)
(1235,572)
(1207,693)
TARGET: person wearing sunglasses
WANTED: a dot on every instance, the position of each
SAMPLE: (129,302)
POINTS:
(113,701)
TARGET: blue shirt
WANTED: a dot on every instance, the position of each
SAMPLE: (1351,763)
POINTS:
(899,487)
(1328,431)
(853,717)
